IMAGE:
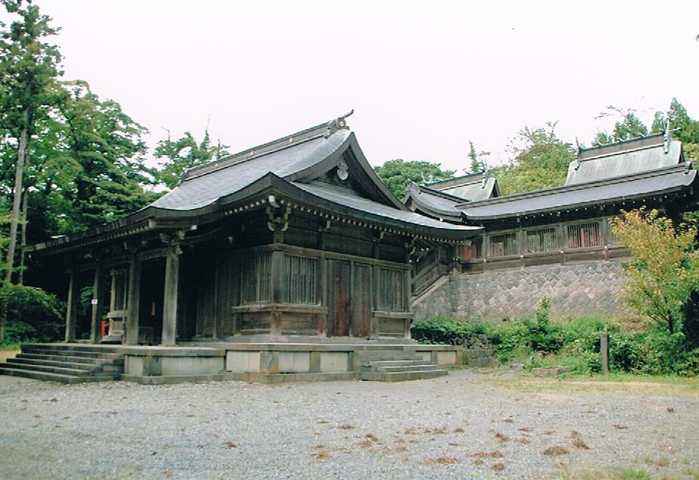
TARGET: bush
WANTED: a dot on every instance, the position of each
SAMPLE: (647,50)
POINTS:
(32,314)
(575,345)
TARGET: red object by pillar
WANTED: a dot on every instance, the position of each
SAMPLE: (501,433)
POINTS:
(104,328)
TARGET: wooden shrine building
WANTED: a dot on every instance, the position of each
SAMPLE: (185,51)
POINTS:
(295,238)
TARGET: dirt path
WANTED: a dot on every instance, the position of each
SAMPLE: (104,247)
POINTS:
(467,425)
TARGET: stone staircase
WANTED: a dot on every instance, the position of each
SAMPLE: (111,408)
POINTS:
(393,365)
(66,363)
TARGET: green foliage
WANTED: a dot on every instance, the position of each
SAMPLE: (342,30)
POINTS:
(537,342)
(477,161)
(628,126)
(665,267)
(184,153)
(539,160)
(397,174)
(32,314)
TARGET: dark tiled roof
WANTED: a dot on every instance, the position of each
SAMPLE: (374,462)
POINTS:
(473,187)
(204,186)
(624,158)
(433,202)
(348,198)
(645,184)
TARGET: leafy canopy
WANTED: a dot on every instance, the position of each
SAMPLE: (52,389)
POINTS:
(665,267)
(397,174)
(539,160)
(184,153)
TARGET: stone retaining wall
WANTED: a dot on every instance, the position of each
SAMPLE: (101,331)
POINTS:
(592,288)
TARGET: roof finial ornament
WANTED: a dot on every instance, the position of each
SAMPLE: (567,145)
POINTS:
(485,177)
(577,145)
(338,124)
(667,135)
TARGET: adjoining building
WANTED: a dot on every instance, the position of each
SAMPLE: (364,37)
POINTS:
(554,242)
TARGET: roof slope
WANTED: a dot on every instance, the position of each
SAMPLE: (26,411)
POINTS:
(624,158)
(473,187)
(346,197)
(654,182)
(283,157)
(433,202)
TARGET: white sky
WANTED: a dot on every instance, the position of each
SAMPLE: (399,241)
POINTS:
(424,77)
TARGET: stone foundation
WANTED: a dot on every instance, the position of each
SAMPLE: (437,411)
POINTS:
(271,362)
(592,288)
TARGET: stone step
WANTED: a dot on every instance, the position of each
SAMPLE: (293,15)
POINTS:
(406,368)
(54,363)
(395,363)
(73,346)
(72,353)
(385,355)
(65,358)
(402,376)
(78,372)
(55,377)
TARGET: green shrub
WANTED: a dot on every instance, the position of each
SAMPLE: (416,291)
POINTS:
(575,344)
(32,314)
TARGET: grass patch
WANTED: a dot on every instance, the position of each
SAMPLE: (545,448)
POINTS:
(659,385)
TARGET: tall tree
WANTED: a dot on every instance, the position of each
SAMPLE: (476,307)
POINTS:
(477,161)
(184,153)
(627,127)
(397,174)
(107,153)
(539,159)
(29,65)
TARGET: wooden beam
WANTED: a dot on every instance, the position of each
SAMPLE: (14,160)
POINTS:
(170,298)
(97,296)
(133,320)
(73,303)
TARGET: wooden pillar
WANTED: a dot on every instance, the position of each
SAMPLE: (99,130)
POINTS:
(73,302)
(170,298)
(133,301)
(97,296)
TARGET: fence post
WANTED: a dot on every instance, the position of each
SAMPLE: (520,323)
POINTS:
(604,351)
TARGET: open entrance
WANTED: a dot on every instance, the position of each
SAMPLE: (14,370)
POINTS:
(151,308)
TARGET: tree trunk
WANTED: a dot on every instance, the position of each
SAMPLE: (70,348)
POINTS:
(16,202)
(23,244)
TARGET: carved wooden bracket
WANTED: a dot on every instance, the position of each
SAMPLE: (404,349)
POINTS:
(278,218)
(173,240)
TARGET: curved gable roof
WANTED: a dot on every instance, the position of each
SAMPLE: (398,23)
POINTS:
(624,158)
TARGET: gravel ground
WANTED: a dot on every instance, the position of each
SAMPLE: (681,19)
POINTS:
(466,425)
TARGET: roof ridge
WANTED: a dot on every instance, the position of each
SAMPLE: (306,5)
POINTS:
(686,166)
(462,177)
(440,193)
(324,129)
(621,142)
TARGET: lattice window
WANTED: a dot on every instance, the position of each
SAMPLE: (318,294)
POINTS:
(584,235)
(256,278)
(503,245)
(542,240)
(392,294)
(300,280)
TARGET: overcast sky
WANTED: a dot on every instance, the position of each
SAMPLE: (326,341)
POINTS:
(423,77)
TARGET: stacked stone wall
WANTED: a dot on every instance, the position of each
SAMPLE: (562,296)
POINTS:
(591,288)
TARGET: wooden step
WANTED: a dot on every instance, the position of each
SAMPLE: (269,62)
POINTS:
(50,369)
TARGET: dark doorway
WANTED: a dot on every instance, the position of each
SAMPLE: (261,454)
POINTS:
(339,301)
(361,300)
(151,311)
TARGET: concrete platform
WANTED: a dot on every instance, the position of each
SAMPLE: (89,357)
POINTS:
(265,362)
